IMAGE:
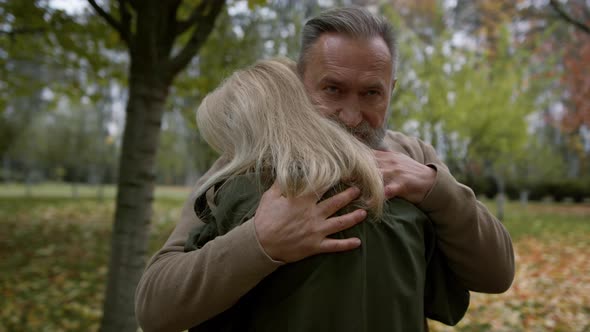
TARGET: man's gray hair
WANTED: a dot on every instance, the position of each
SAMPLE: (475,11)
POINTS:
(355,22)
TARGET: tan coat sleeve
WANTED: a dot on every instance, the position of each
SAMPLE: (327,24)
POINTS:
(179,290)
(476,244)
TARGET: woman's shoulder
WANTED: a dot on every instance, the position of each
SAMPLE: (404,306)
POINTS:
(237,198)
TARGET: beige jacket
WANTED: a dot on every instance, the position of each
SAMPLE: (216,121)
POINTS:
(179,290)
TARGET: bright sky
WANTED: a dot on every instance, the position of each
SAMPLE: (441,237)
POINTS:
(71,6)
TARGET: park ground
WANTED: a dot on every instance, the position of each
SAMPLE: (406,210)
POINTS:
(54,252)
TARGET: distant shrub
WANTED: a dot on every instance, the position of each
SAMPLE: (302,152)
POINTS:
(557,189)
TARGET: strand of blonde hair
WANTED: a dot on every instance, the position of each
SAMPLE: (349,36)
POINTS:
(260,118)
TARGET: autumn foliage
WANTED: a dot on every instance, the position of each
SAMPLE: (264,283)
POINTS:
(576,78)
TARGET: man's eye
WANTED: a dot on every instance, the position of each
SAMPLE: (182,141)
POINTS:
(371,93)
(331,89)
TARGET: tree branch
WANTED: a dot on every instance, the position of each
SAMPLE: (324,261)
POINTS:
(125,22)
(110,20)
(205,14)
(21,31)
(133,3)
(568,18)
(183,25)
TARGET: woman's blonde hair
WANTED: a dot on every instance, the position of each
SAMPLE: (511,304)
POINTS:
(261,120)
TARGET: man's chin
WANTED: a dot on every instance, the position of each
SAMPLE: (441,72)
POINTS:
(374,139)
(370,136)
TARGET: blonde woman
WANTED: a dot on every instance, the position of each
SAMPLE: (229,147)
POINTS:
(261,120)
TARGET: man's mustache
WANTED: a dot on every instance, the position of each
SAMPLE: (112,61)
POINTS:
(372,137)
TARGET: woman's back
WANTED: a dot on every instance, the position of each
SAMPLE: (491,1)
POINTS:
(381,286)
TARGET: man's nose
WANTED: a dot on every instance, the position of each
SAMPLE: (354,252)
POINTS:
(350,114)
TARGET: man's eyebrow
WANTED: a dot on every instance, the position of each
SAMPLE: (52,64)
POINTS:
(331,80)
(375,86)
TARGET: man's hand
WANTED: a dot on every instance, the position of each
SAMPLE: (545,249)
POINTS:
(291,229)
(404,177)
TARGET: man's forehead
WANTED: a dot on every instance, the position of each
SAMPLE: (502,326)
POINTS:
(336,43)
(339,54)
(340,77)
(329,66)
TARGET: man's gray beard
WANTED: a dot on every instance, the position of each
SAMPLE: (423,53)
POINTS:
(372,137)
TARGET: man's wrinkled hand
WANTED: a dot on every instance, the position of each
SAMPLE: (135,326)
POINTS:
(291,229)
(404,177)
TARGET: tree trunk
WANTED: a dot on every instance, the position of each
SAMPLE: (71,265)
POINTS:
(28,185)
(135,194)
(100,186)
(6,171)
(75,193)
(150,33)
(524,198)
(501,197)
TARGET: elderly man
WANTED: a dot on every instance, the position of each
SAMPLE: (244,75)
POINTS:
(347,65)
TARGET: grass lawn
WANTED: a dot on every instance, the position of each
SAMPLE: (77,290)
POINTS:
(54,252)
(551,291)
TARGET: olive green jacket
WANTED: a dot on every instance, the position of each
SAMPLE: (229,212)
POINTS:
(388,284)
(181,289)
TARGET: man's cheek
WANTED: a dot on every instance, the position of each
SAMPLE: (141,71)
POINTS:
(376,119)
(325,108)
